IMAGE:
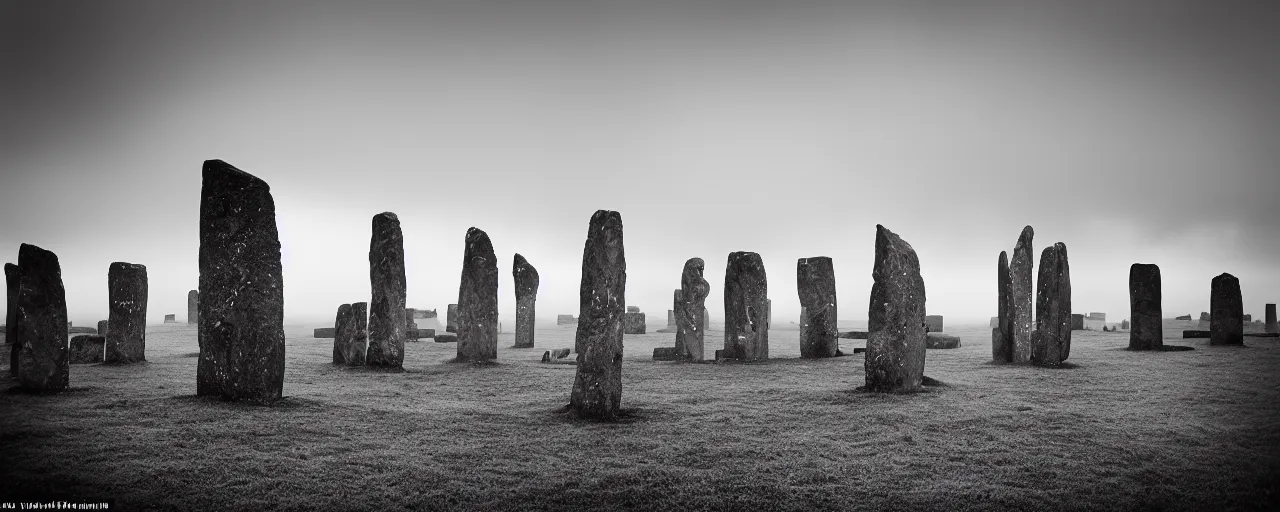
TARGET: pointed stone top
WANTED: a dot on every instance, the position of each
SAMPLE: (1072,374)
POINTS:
(478,236)
(1004,259)
(886,239)
(388,215)
(30,256)
(222,171)
(10,268)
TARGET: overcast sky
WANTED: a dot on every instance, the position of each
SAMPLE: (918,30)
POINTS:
(1131,131)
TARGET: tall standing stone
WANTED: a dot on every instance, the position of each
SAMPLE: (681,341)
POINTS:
(1020,292)
(241,311)
(1271,319)
(387,287)
(193,307)
(1147,330)
(1226,311)
(478,300)
(11,275)
(746,308)
(526,279)
(41,318)
(895,318)
(127,320)
(691,311)
(1002,334)
(597,385)
(816,286)
(451,318)
(1051,341)
(341,323)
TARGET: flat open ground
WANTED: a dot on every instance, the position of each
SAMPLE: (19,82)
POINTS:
(1120,430)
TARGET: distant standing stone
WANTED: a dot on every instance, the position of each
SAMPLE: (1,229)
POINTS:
(341,323)
(1147,330)
(691,311)
(1226,311)
(171,319)
(1051,341)
(325,332)
(746,308)
(816,286)
(1021,291)
(1248,318)
(127,322)
(41,318)
(387,287)
(526,280)
(193,307)
(597,384)
(86,349)
(446,337)
(933,323)
(895,318)
(565,320)
(102,327)
(1271,325)
(11,275)
(241,310)
(937,340)
(478,300)
(1002,334)
(451,319)
(1077,322)
(633,309)
(633,322)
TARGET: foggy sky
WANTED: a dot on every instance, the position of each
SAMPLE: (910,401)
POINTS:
(1131,131)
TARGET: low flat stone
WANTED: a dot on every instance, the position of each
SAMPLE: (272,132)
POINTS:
(854,335)
(1183,317)
(87,349)
(1262,334)
(82,330)
(171,319)
(422,333)
(666,354)
(940,340)
(859,350)
(446,337)
(1195,334)
(566,320)
(325,332)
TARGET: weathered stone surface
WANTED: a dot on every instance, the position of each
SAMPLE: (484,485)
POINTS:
(1204,315)
(446,337)
(1002,341)
(41,321)
(854,335)
(671,318)
(478,300)
(86,349)
(746,308)
(941,341)
(423,333)
(102,327)
(451,319)
(816,287)
(352,336)
(1226,311)
(82,330)
(241,309)
(171,319)
(667,354)
(127,320)
(1051,341)
(597,384)
(633,323)
(895,318)
(1271,325)
(387,285)
(933,323)
(1077,322)
(1147,330)
(1248,318)
(340,323)
(691,311)
(1195,334)
(193,307)
(1020,294)
(526,279)
(10,315)
(325,332)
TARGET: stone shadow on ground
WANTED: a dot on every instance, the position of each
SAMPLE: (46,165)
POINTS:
(626,415)
(282,403)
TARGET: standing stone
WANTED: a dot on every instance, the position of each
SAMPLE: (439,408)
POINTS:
(340,322)
(478,300)
(387,283)
(241,311)
(1020,292)
(933,323)
(526,278)
(193,307)
(1226,311)
(86,349)
(746,308)
(1051,341)
(102,327)
(127,321)
(41,321)
(171,319)
(11,275)
(895,318)
(691,311)
(1271,319)
(633,321)
(671,318)
(1147,330)
(451,319)
(597,384)
(1077,322)
(816,286)
(566,320)
(357,335)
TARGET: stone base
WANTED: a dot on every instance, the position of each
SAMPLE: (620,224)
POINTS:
(446,337)
(1195,334)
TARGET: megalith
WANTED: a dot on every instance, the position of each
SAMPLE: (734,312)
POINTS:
(86,349)
(1226,311)
(1020,293)
(41,318)
(816,286)
(478,300)
(1271,319)
(691,311)
(451,319)
(1051,341)
(387,287)
(340,323)
(241,311)
(1002,334)
(193,307)
(10,315)
(1146,332)
(597,384)
(526,280)
(746,308)
(895,318)
(127,318)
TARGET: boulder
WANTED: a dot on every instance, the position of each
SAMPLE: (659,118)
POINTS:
(597,383)
(326,332)
(816,286)
(896,343)
(477,320)
(127,320)
(1051,341)
(940,340)
(193,307)
(1195,334)
(667,354)
(387,323)
(1248,318)
(746,308)
(1183,317)
(86,349)
(1020,294)
(526,280)
(341,324)
(1226,311)
(423,333)
(633,309)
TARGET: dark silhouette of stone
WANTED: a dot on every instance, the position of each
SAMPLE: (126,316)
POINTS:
(933,323)
(526,279)
(566,320)
(325,332)
(633,322)
(478,300)
(1271,325)
(1183,317)
(1051,341)
(691,311)
(1020,294)
(171,319)
(355,335)
(451,319)
(941,341)
(422,333)
(1195,334)
(816,286)
(82,330)
(41,321)
(895,318)
(597,384)
(102,327)
(1204,316)
(127,321)
(241,310)
(11,275)
(1124,324)
(1248,318)
(1077,322)
(341,323)
(387,282)
(446,337)
(854,335)
(1226,315)
(667,354)
(746,308)
(86,349)
(1147,330)
(193,307)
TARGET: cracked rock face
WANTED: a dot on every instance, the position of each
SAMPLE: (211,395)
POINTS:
(597,384)
(896,330)
(40,337)
(1020,292)
(1051,341)
(478,300)
(1002,334)
(526,280)
(816,285)
(10,315)
(1147,330)
(691,311)
(193,307)
(127,321)
(746,308)
(1226,311)
(387,292)
(241,309)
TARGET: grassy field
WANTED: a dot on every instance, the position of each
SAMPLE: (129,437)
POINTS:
(1191,430)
